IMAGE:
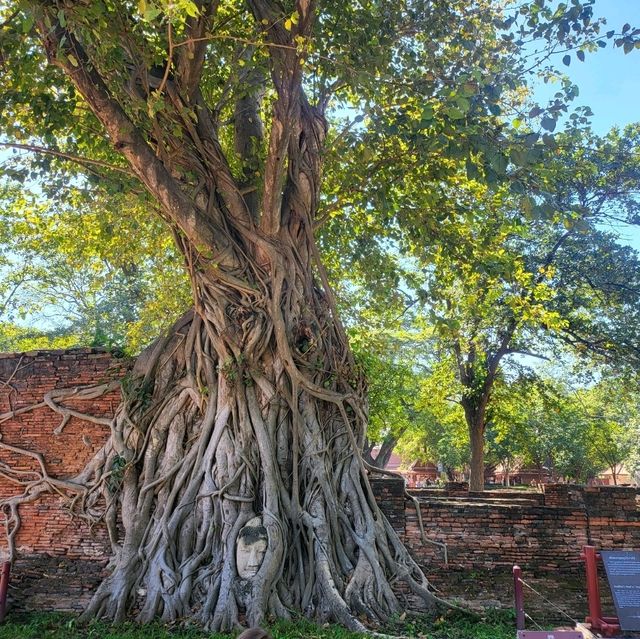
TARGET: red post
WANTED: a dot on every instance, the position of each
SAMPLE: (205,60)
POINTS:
(519,597)
(4,585)
(607,626)
(593,590)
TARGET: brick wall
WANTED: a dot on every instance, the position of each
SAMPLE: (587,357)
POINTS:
(60,558)
(486,536)
(543,533)
(391,499)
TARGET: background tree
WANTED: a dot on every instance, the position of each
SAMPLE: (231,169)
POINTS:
(530,274)
(438,432)
(391,389)
(72,276)
(611,408)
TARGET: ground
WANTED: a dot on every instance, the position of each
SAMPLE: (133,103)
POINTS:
(496,625)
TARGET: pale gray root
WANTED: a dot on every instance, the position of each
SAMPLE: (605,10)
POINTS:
(204,441)
(210,435)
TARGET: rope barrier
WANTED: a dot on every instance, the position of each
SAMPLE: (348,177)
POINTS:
(550,603)
(533,621)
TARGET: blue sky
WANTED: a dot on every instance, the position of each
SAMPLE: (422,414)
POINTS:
(609,81)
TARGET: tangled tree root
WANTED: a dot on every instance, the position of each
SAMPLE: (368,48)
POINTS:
(200,446)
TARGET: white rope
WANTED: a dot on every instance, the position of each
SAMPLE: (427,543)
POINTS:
(554,606)
(533,621)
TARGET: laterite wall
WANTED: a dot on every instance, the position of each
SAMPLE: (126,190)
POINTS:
(61,559)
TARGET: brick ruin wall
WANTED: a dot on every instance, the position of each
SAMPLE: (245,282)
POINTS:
(541,532)
(61,559)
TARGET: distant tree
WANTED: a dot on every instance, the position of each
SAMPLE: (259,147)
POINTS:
(437,432)
(534,273)
(392,385)
(612,408)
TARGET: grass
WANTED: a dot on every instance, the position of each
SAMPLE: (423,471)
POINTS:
(497,625)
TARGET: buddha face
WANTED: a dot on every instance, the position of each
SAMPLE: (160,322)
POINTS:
(251,548)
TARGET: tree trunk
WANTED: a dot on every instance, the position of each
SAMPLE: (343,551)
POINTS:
(243,427)
(385,451)
(251,408)
(474,412)
(476,475)
(233,486)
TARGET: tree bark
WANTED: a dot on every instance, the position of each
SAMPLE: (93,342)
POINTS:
(476,437)
(384,452)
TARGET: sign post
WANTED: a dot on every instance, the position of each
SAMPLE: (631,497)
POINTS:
(608,626)
(518,597)
(623,572)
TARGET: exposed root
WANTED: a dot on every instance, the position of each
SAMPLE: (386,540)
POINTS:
(38,481)
(250,409)
(201,445)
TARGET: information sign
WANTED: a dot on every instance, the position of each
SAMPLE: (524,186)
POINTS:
(623,573)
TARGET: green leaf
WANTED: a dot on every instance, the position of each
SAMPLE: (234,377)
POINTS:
(454,113)
(472,170)
(517,187)
(519,156)
(148,10)
(427,112)
(535,112)
(499,163)
(531,138)
(548,123)
(580,55)
(566,60)
(463,104)
(527,206)
(27,23)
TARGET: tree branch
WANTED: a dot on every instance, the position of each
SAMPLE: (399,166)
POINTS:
(34,148)
(63,50)
(517,351)
(190,59)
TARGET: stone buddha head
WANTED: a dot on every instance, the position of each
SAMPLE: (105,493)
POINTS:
(251,547)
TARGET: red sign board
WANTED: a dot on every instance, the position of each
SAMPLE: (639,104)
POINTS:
(550,634)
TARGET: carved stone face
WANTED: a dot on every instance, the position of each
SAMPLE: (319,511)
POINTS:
(251,548)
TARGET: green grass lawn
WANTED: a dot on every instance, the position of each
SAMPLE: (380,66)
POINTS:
(496,625)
